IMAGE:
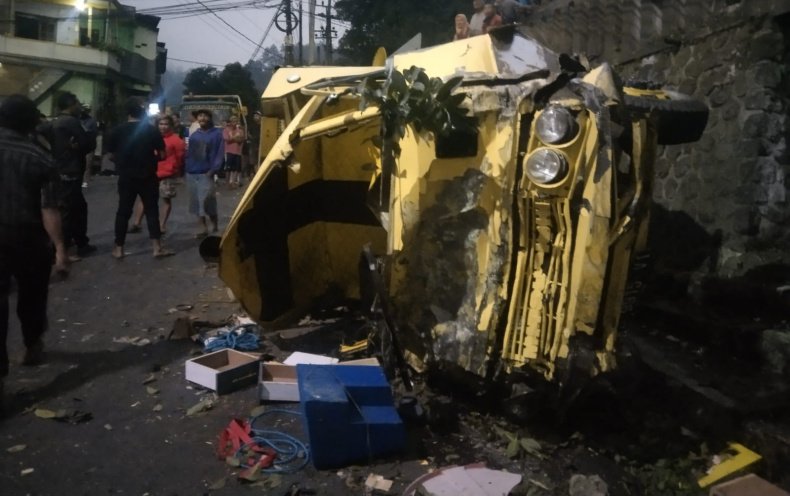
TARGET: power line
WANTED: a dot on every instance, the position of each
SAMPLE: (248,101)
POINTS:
(194,62)
(228,24)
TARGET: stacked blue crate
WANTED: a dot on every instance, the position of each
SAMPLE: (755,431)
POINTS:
(348,413)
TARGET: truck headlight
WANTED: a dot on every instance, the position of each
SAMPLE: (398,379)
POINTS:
(556,125)
(546,166)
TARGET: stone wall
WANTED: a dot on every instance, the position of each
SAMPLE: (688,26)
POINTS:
(725,198)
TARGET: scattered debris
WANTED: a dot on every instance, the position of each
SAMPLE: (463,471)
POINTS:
(108,427)
(157,407)
(518,444)
(475,479)
(27,471)
(376,482)
(148,380)
(218,484)
(205,404)
(16,448)
(151,390)
(735,458)
(222,371)
(64,415)
(746,486)
(584,485)
(137,341)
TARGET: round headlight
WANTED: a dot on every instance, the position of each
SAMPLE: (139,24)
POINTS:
(546,166)
(555,125)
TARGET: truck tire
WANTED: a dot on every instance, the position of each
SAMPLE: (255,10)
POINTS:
(681,118)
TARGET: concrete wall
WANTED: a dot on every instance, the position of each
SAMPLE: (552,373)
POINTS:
(723,200)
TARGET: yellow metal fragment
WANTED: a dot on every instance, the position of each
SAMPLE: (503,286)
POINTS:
(738,458)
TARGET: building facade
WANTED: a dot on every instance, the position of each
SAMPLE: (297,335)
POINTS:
(100,50)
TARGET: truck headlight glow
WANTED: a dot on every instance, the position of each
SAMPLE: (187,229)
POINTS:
(556,125)
(546,166)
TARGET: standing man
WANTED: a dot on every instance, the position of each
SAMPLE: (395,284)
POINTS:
(234,137)
(70,145)
(203,161)
(476,21)
(136,147)
(491,19)
(29,220)
(168,169)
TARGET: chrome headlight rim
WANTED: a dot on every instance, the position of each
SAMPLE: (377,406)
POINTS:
(556,125)
(546,167)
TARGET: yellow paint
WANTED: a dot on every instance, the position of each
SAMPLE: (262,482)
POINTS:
(737,457)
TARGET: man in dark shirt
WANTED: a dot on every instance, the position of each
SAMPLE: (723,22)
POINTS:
(70,144)
(137,147)
(29,219)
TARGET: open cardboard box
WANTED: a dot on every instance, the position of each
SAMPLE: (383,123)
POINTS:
(223,371)
(278,382)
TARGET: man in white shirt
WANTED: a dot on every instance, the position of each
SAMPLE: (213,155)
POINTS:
(476,21)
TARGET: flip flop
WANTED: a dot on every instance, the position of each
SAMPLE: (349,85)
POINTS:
(163,253)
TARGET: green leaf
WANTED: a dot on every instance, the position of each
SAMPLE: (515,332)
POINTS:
(512,449)
(448,87)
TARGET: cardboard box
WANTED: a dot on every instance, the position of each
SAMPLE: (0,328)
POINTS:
(223,371)
(277,381)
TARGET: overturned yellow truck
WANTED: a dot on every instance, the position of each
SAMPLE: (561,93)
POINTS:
(502,249)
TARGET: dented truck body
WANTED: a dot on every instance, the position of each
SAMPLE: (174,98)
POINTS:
(505,249)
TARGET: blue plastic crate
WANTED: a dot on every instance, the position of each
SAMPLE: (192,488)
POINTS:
(348,413)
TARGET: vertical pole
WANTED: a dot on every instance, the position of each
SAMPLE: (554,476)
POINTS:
(301,41)
(289,40)
(329,32)
(311,33)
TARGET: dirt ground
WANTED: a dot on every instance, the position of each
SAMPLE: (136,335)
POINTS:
(110,366)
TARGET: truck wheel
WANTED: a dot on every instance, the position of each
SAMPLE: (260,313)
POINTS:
(681,118)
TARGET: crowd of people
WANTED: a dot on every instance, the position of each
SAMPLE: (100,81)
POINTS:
(489,14)
(44,169)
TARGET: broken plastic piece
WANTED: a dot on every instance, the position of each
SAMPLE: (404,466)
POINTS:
(736,457)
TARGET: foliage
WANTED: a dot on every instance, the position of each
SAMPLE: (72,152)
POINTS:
(375,23)
(232,80)
(412,98)
(264,66)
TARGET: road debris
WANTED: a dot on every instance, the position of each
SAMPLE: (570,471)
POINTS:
(27,471)
(16,448)
(475,479)
(376,482)
(736,457)
(205,404)
(587,485)
(70,416)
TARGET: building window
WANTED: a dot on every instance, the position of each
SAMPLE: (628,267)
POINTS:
(34,27)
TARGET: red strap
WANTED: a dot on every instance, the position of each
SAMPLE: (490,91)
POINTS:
(234,436)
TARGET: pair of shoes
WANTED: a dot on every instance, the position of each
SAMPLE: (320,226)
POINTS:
(164,253)
(85,250)
(34,354)
(134,229)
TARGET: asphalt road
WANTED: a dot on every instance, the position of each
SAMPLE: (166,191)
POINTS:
(127,430)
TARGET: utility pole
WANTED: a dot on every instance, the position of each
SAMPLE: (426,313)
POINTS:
(311,32)
(301,41)
(329,32)
(289,39)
